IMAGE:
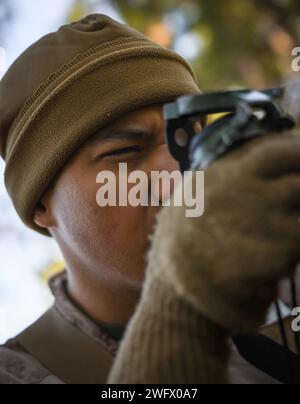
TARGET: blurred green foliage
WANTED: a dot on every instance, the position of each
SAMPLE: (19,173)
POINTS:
(229,43)
(243,43)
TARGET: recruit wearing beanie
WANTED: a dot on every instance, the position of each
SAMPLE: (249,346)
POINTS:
(70,84)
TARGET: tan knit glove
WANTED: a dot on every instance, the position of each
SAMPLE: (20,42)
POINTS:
(227,264)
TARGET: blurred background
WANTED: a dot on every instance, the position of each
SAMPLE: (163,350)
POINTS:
(245,43)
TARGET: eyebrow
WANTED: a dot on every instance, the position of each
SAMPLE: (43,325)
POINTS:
(121,134)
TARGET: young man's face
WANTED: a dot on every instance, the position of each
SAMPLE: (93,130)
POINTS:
(109,241)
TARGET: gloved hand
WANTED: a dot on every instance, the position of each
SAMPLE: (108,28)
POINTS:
(228,263)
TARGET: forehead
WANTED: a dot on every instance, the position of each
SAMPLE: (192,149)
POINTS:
(153,112)
(141,123)
(144,119)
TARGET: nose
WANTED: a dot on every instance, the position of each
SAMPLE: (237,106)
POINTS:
(161,161)
(158,160)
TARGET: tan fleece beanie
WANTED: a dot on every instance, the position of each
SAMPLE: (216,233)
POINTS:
(70,84)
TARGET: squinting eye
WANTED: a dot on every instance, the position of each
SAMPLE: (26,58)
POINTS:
(119,152)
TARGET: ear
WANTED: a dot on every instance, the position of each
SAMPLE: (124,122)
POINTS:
(43,216)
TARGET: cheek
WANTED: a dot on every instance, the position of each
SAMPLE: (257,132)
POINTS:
(124,230)
(74,204)
(113,235)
